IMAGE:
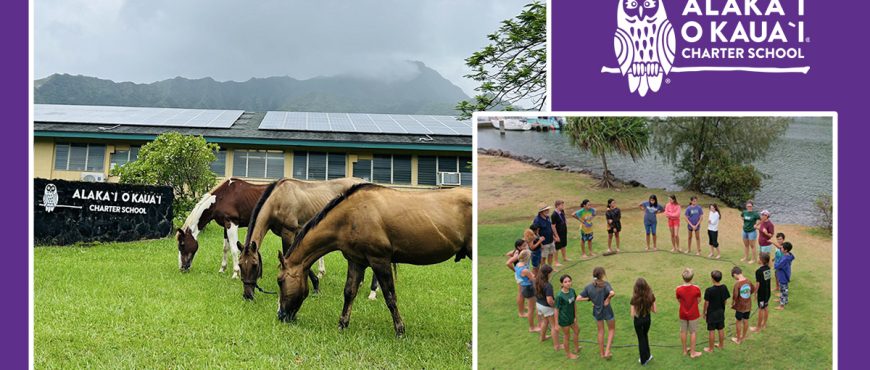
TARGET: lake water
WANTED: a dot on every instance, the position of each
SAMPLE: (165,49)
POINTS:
(799,165)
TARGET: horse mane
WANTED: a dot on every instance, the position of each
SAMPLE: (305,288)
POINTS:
(196,212)
(258,207)
(314,221)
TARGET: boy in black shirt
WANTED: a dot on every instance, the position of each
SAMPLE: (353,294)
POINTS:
(714,309)
(762,287)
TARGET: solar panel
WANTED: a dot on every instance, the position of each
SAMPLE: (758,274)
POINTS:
(105,115)
(366,123)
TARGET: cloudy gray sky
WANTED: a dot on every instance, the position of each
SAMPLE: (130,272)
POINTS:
(150,40)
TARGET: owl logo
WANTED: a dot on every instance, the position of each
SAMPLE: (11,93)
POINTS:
(644,44)
(49,197)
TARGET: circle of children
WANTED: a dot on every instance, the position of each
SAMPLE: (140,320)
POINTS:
(548,235)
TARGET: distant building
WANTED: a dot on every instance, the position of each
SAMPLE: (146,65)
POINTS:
(84,142)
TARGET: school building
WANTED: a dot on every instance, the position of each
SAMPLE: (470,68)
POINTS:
(83,143)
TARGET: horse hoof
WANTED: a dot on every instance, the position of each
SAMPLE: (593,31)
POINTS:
(235,275)
(373,296)
(342,325)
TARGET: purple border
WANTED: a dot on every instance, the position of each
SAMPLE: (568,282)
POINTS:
(582,41)
(14,105)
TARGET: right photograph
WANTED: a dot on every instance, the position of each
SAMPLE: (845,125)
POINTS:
(666,240)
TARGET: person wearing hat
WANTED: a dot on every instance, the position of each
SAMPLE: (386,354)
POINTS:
(545,229)
(765,233)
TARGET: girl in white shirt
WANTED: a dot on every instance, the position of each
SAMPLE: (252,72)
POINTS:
(713,230)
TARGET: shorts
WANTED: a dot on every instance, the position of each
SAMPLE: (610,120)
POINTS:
(586,237)
(764,249)
(741,315)
(714,238)
(762,304)
(548,249)
(528,291)
(650,228)
(673,222)
(545,310)
(615,228)
(690,326)
(536,259)
(689,227)
(606,314)
(715,325)
(752,235)
(563,241)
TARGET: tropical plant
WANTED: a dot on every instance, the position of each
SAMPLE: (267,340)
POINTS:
(601,136)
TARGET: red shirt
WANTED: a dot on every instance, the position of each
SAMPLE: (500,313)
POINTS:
(689,296)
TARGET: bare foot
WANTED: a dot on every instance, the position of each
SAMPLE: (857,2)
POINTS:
(558,264)
(708,349)
(710,256)
(617,250)
(572,356)
(721,345)
(717,257)
(779,308)
(609,250)
(750,262)
(655,249)
(559,347)
(754,329)
(546,338)
(524,315)
(534,330)
(778,295)
(696,354)
(743,260)
(698,254)
(647,249)
(583,256)
(608,355)
(735,340)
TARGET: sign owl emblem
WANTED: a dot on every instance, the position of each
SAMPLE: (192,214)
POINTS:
(49,197)
(644,44)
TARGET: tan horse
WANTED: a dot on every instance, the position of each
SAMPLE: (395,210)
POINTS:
(376,226)
(283,208)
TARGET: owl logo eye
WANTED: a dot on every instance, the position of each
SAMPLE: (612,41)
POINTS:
(649,4)
(631,4)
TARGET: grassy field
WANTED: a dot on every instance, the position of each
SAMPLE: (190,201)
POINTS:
(126,305)
(508,195)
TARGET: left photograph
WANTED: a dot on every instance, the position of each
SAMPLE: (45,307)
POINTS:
(268,185)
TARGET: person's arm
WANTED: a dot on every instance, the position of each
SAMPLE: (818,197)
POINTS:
(510,263)
(555,233)
(654,309)
(633,311)
(609,296)
(551,301)
(706,305)
(528,274)
(575,217)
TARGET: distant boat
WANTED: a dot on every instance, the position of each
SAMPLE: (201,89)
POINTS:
(512,123)
(545,123)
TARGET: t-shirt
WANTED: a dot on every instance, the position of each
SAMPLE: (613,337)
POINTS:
(518,274)
(713,221)
(764,239)
(693,213)
(565,305)
(650,211)
(716,295)
(547,292)
(762,277)
(585,216)
(597,297)
(614,215)
(777,256)
(749,218)
(546,228)
(672,210)
(558,219)
(688,295)
(783,268)
(743,290)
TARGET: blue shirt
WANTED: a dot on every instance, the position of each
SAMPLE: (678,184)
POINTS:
(694,214)
(523,280)
(546,228)
(649,212)
(783,268)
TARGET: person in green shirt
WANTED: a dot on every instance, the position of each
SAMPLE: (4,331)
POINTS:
(567,315)
(751,219)
(585,215)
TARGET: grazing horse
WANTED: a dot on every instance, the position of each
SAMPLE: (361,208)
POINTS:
(376,226)
(283,208)
(230,205)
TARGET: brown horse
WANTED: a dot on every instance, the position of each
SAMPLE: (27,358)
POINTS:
(376,226)
(283,208)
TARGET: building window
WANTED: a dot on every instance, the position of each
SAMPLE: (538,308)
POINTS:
(391,169)
(363,169)
(219,165)
(402,169)
(465,170)
(319,165)
(122,157)
(427,170)
(259,164)
(79,157)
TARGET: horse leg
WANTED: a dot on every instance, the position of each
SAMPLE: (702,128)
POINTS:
(315,282)
(233,238)
(226,250)
(321,268)
(374,294)
(385,279)
(355,274)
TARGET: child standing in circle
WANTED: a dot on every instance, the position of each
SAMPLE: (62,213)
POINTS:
(742,303)
(777,256)
(533,241)
(650,209)
(513,260)
(566,313)
(614,223)
(560,223)
(585,216)
(765,233)
(672,211)
(714,310)
(545,303)
(693,222)
(713,230)
(762,291)
(750,234)
(599,292)
(689,296)
(643,303)
(525,278)
(783,274)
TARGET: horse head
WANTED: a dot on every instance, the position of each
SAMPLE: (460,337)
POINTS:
(292,289)
(250,268)
(187,247)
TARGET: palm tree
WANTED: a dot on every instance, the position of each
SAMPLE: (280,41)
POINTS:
(601,136)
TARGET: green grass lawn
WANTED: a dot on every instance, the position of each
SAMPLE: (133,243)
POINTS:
(126,305)
(508,195)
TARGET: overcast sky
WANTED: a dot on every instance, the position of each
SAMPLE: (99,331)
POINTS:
(151,40)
